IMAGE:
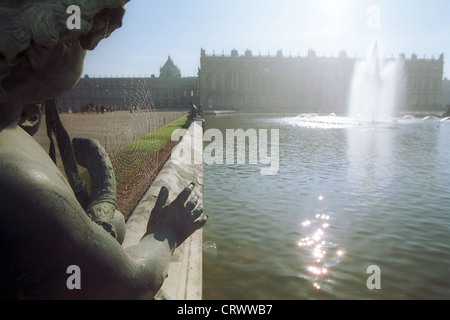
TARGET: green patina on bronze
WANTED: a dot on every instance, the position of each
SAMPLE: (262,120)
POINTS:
(44,229)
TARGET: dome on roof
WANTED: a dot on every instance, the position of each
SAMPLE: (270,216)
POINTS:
(169,70)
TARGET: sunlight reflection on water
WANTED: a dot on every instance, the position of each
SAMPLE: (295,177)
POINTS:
(317,247)
(355,195)
(314,121)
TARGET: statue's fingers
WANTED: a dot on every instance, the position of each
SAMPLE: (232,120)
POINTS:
(162,198)
(200,222)
(197,212)
(192,203)
(184,195)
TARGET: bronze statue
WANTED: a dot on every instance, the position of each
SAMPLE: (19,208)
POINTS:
(49,224)
(195,114)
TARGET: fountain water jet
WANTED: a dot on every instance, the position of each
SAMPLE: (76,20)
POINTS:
(375,88)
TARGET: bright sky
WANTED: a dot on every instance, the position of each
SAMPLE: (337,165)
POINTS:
(155,29)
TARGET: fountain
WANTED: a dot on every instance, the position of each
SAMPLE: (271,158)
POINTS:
(375,88)
(375,92)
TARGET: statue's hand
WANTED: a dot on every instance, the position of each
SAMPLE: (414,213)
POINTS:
(181,217)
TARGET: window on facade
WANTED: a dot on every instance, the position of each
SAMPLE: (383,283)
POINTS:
(241,81)
(228,82)
(264,84)
(218,83)
(255,83)
(208,83)
(241,101)
(435,85)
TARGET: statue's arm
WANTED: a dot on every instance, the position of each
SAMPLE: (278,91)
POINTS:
(139,271)
(168,227)
(48,215)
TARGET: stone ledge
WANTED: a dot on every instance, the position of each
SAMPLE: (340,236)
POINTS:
(184,281)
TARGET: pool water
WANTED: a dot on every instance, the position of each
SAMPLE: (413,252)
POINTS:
(347,196)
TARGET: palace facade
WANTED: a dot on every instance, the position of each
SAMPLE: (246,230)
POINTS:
(304,84)
(169,90)
(423,84)
(446,93)
(251,82)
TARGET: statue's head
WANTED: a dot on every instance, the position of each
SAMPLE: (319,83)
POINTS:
(40,56)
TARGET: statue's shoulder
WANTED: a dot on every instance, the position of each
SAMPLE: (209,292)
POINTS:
(27,173)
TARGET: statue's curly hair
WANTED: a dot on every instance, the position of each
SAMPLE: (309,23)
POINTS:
(44,22)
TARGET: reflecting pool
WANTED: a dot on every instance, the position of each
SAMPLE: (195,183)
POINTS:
(348,195)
